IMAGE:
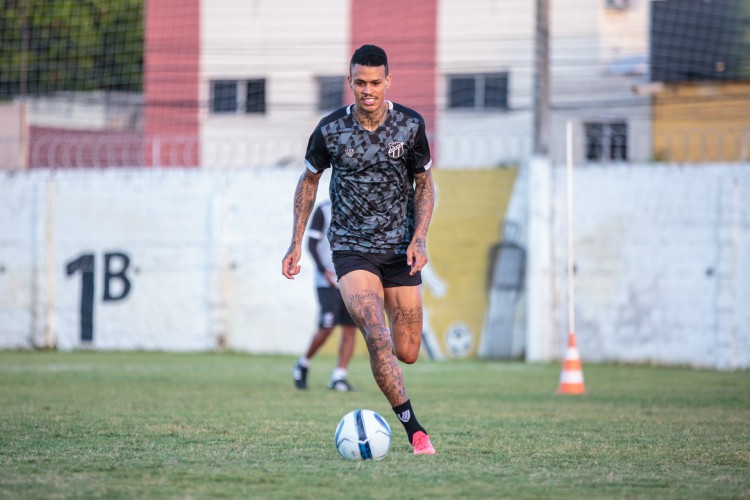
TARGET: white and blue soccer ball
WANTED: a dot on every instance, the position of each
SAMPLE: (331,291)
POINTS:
(363,435)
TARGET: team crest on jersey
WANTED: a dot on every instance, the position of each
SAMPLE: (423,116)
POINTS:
(349,152)
(395,149)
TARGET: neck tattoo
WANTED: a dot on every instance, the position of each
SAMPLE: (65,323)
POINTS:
(371,121)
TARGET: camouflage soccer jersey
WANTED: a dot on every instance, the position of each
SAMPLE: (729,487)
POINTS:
(372,181)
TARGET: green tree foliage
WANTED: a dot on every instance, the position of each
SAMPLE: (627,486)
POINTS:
(70,45)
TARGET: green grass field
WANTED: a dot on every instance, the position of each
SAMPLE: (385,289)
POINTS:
(154,425)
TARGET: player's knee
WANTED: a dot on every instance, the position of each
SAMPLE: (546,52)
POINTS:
(408,357)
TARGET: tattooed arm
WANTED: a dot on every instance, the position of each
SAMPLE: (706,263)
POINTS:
(304,199)
(424,202)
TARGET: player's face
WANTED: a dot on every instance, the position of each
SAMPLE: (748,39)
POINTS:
(369,85)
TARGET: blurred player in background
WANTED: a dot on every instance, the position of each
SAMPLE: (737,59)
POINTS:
(332,308)
(382,196)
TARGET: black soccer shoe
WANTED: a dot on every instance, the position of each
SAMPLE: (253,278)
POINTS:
(340,385)
(299,373)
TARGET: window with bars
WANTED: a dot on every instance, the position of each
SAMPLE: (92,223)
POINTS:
(478,91)
(238,96)
(606,141)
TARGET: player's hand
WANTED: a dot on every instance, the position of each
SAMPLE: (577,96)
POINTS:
(416,255)
(290,264)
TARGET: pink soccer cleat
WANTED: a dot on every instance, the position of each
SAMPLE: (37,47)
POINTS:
(421,443)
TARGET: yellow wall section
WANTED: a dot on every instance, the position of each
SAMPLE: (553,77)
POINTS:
(702,122)
(471,207)
(468,218)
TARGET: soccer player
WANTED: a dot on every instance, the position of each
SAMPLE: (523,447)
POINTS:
(382,196)
(332,308)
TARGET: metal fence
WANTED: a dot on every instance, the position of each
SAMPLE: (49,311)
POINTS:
(51,148)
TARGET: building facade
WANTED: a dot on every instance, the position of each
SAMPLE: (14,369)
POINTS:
(270,70)
(233,83)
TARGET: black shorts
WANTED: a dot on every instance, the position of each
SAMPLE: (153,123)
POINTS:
(332,309)
(391,268)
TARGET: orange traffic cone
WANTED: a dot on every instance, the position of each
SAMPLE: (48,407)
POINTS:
(571,377)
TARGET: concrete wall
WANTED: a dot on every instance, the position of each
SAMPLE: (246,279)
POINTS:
(181,260)
(158,259)
(189,260)
(662,260)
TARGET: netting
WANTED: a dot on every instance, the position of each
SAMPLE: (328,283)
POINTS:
(241,84)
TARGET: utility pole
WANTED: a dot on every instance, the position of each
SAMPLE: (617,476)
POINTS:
(541,79)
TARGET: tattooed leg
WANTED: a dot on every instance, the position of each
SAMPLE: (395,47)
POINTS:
(404,305)
(366,307)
